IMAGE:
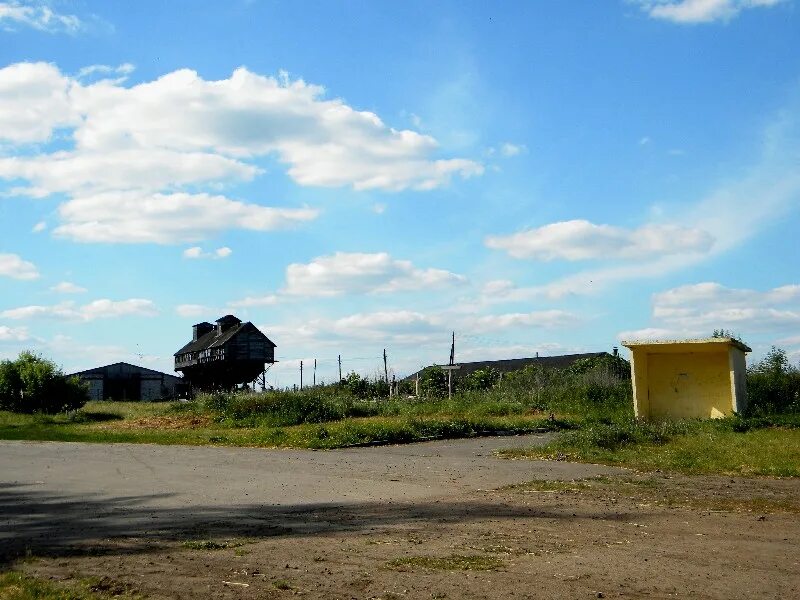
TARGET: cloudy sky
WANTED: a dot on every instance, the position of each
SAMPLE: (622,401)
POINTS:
(351,176)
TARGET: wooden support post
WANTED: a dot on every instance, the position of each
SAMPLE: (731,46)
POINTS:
(417,386)
(385,368)
(301,374)
(340,367)
(315,372)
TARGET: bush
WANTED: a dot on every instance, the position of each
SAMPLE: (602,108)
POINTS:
(773,385)
(33,384)
(363,388)
(482,379)
(433,382)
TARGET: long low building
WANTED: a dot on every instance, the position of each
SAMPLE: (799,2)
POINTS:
(515,364)
(124,381)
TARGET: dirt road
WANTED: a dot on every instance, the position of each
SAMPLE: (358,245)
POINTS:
(418,521)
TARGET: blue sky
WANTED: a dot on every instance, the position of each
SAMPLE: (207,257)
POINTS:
(543,177)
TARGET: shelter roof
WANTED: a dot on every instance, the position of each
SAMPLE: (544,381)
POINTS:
(689,344)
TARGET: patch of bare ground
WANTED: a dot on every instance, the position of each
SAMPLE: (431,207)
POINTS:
(170,422)
(648,536)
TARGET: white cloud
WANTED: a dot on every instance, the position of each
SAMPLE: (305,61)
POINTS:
(192,310)
(38,16)
(542,318)
(400,327)
(732,212)
(698,309)
(197,252)
(508,149)
(465,352)
(166,218)
(67,287)
(582,240)
(148,142)
(13,334)
(700,11)
(12,265)
(379,208)
(346,272)
(39,227)
(34,100)
(120,71)
(255,301)
(98,309)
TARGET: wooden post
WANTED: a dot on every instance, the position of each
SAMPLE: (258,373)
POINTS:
(449,384)
(315,373)
(393,389)
(301,374)
(385,368)
(340,367)
(417,386)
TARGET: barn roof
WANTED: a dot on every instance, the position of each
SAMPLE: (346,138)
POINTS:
(214,340)
(515,364)
(99,370)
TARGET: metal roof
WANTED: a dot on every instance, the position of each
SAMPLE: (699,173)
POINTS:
(214,340)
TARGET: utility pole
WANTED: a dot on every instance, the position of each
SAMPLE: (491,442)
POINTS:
(451,367)
(315,372)
(301,374)
(385,368)
(340,367)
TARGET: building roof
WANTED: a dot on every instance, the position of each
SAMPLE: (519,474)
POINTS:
(213,340)
(100,370)
(515,364)
(695,342)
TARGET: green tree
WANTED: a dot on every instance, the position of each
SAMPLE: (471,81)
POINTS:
(773,384)
(32,384)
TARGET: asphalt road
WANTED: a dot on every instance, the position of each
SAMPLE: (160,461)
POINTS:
(58,495)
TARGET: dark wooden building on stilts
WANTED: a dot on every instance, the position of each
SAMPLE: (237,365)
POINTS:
(224,355)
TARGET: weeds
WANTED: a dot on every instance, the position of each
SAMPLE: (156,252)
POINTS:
(455,562)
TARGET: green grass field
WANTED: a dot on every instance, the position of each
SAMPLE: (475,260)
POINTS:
(589,404)
(172,423)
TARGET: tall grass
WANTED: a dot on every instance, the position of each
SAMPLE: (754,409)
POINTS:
(589,391)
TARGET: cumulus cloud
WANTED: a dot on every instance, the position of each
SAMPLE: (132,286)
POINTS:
(255,301)
(34,100)
(166,218)
(508,149)
(148,143)
(13,334)
(582,240)
(67,287)
(700,11)
(192,310)
(352,272)
(698,309)
(12,265)
(39,227)
(97,309)
(197,252)
(37,16)
(542,318)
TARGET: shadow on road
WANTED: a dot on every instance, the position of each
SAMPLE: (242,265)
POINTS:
(38,523)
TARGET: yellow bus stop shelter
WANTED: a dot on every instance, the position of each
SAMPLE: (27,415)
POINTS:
(686,379)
